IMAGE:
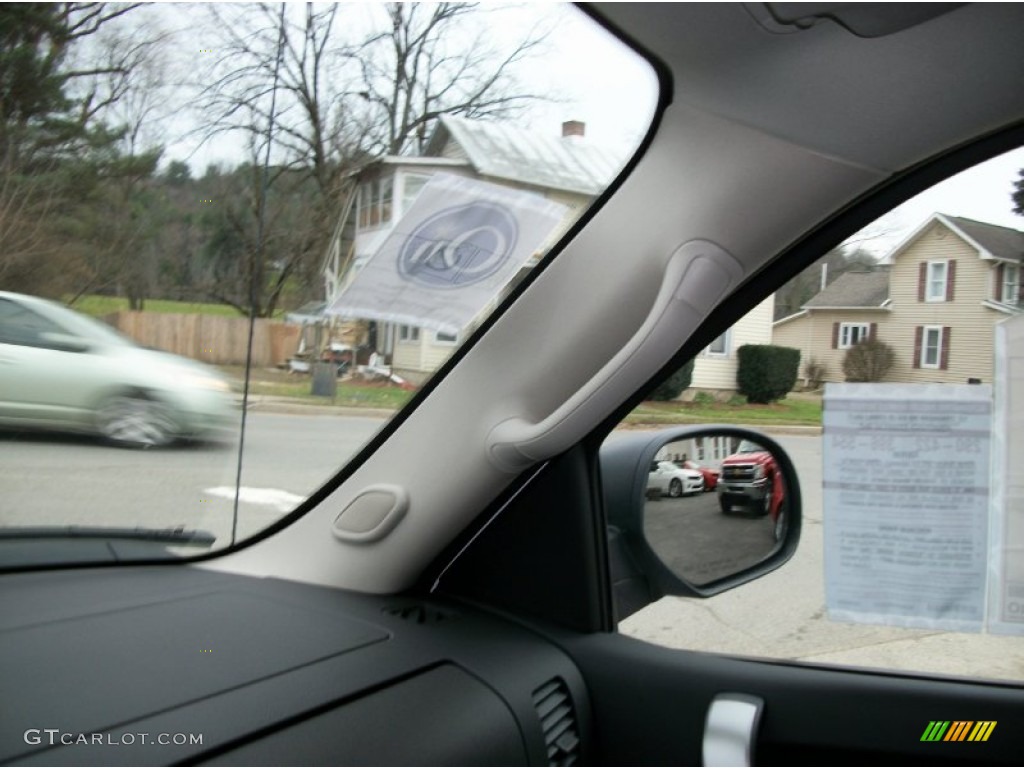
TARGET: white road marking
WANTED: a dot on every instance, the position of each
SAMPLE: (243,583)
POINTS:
(273,497)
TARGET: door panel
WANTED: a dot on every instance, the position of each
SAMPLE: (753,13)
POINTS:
(650,706)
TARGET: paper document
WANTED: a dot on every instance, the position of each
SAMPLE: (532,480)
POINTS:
(906,503)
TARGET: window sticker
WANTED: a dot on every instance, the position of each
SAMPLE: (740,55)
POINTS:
(906,503)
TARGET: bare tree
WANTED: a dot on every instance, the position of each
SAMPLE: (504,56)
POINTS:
(295,62)
(413,73)
(64,67)
(338,92)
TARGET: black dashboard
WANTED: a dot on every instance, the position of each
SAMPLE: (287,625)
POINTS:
(181,665)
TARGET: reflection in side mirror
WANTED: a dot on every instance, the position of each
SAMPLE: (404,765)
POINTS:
(732,515)
(695,511)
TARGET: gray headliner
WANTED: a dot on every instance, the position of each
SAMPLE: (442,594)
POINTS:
(809,87)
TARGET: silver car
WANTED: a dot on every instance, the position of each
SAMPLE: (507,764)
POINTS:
(64,371)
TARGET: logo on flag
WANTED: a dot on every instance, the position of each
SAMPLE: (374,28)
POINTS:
(449,255)
(459,246)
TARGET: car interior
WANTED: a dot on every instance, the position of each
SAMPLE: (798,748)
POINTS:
(451,596)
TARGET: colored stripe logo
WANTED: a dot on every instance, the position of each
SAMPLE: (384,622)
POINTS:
(958,730)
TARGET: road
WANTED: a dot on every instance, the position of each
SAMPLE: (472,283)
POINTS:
(61,480)
(696,541)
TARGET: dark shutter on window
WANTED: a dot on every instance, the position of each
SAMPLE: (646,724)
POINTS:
(873,331)
(835,335)
(950,279)
(997,294)
(922,278)
(918,338)
(944,359)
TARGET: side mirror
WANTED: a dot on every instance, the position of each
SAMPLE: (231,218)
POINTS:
(694,511)
(64,342)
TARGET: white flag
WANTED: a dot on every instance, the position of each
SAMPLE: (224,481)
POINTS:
(452,252)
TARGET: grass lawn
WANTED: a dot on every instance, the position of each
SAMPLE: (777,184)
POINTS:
(282,384)
(97,306)
(798,409)
(795,410)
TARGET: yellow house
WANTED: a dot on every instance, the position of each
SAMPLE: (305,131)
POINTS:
(936,304)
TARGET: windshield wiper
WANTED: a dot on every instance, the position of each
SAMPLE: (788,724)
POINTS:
(179,535)
(67,544)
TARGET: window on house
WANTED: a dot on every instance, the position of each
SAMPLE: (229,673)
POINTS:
(931,346)
(375,201)
(938,271)
(412,183)
(387,193)
(408,333)
(446,338)
(1011,284)
(719,346)
(851,334)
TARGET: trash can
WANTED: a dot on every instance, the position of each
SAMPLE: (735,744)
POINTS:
(325,380)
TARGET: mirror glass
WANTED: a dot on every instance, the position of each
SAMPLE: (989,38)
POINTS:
(715,505)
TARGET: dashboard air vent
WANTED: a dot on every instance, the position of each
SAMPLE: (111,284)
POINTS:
(418,613)
(558,721)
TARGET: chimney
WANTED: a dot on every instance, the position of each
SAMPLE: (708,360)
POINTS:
(573,128)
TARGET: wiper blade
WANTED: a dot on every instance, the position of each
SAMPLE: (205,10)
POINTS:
(178,536)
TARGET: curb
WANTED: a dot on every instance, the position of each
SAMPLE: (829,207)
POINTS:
(284,405)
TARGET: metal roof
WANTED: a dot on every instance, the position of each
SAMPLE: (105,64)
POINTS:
(504,151)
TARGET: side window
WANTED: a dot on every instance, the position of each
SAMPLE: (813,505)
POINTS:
(20,325)
(927,499)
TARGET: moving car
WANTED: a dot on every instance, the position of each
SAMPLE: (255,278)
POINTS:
(61,370)
(670,480)
(452,594)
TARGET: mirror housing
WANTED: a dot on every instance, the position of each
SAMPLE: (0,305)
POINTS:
(640,575)
(65,342)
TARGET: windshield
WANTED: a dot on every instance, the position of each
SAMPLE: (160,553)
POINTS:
(310,207)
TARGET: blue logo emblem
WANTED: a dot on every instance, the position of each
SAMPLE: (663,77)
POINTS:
(459,246)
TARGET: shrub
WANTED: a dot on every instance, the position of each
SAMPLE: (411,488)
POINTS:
(815,373)
(704,398)
(673,386)
(868,361)
(766,373)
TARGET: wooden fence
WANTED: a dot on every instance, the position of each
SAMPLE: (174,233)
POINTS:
(210,338)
